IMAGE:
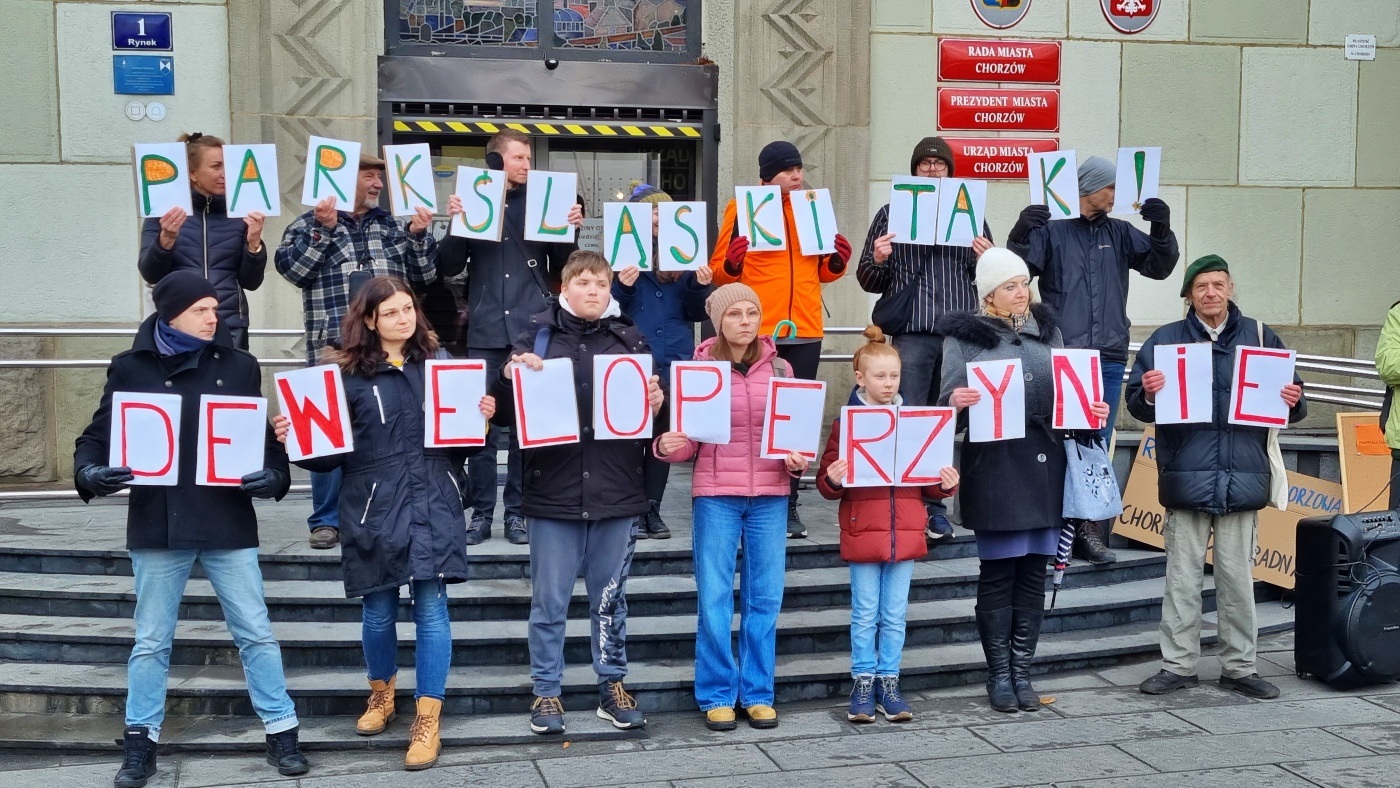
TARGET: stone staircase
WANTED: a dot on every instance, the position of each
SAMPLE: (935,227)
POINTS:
(66,602)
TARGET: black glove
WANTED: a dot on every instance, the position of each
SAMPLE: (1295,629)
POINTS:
(103,480)
(1156,212)
(1032,216)
(266,483)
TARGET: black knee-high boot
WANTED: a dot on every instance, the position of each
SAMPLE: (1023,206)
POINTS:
(994,629)
(1025,634)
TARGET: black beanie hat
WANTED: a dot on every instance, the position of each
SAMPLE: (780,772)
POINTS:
(931,147)
(776,157)
(178,291)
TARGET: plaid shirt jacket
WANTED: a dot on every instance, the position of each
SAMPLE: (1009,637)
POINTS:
(320,261)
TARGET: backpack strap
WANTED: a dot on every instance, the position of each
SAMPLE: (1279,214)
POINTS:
(542,339)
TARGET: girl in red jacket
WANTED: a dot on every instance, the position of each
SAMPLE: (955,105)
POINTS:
(882,533)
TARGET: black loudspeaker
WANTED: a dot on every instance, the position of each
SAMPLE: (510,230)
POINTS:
(1347,589)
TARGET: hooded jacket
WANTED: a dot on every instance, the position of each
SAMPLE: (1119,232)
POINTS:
(1388,367)
(1214,467)
(878,524)
(665,313)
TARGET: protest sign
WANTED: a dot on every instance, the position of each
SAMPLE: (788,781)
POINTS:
(961,205)
(621,410)
(1078,385)
(700,400)
(409,178)
(1054,180)
(549,197)
(1000,414)
(913,214)
(1256,387)
(868,445)
(232,439)
(627,235)
(792,419)
(313,400)
(923,445)
(162,178)
(483,196)
(814,217)
(682,236)
(546,404)
(145,437)
(1187,397)
(250,180)
(1139,170)
(452,393)
(1365,460)
(332,168)
(758,216)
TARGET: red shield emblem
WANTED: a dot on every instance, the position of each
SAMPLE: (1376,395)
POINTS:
(1130,16)
(1000,14)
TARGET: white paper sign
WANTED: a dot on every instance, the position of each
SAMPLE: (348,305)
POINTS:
(1000,415)
(1078,385)
(1139,171)
(621,411)
(1360,47)
(758,215)
(145,437)
(1187,396)
(868,445)
(250,180)
(792,419)
(913,217)
(924,445)
(815,218)
(162,178)
(627,235)
(1256,388)
(961,206)
(549,196)
(682,236)
(409,178)
(452,392)
(483,196)
(546,404)
(700,400)
(232,439)
(1054,179)
(332,168)
(313,399)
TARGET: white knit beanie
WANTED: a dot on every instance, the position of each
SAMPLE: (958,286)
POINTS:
(996,267)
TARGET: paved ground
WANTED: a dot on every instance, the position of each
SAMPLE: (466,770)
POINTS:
(1098,733)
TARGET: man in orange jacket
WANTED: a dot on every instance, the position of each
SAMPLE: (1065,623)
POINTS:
(788,282)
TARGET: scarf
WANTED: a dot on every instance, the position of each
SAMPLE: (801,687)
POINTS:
(1017,322)
(172,342)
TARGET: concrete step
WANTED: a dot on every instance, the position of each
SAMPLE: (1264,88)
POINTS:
(114,596)
(36,687)
(73,639)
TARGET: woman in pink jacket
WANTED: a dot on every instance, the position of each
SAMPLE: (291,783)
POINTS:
(739,499)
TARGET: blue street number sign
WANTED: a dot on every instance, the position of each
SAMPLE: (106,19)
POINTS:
(143,75)
(151,32)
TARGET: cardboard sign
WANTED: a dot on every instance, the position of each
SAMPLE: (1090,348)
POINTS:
(792,420)
(913,215)
(232,439)
(1365,462)
(923,445)
(682,235)
(332,168)
(145,437)
(162,178)
(700,400)
(313,399)
(627,235)
(409,178)
(1054,180)
(452,392)
(1187,397)
(1001,413)
(868,445)
(483,196)
(250,180)
(1078,385)
(758,216)
(814,216)
(961,205)
(549,196)
(1144,518)
(546,404)
(1259,377)
(621,411)
(1139,171)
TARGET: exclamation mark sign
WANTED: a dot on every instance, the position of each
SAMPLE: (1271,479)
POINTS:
(1139,162)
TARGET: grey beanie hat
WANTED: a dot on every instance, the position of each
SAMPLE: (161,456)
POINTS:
(1095,173)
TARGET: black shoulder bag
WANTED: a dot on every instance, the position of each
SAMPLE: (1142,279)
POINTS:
(895,309)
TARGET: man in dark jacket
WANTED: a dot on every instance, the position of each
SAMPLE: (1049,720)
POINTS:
(582,498)
(184,349)
(506,284)
(1082,265)
(329,254)
(944,282)
(1213,478)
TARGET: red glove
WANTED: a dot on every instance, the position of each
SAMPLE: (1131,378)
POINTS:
(843,248)
(734,258)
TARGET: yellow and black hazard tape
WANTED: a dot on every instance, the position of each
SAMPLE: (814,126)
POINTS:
(603,130)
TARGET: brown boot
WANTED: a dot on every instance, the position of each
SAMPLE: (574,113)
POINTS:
(423,740)
(381,708)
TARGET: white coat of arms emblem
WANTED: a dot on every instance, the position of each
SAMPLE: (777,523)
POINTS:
(1130,16)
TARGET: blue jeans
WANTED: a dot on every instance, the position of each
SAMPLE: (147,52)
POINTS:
(325,500)
(722,524)
(879,599)
(237,581)
(482,472)
(432,653)
(1112,393)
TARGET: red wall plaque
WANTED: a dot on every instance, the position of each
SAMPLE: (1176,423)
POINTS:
(998,109)
(1001,158)
(998,60)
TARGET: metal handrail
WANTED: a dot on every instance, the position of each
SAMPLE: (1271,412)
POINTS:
(19,496)
(31,331)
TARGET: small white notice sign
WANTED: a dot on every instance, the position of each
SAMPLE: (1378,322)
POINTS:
(1361,47)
